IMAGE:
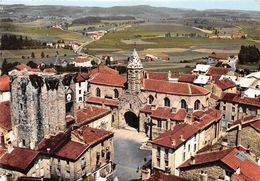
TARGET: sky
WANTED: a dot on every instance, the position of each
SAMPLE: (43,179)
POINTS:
(188,4)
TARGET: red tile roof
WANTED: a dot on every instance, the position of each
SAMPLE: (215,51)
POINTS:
(146,109)
(50,70)
(223,57)
(230,158)
(4,83)
(72,150)
(235,98)
(90,114)
(173,87)
(23,67)
(246,121)
(92,135)
(160,75)
(104,70)
(19,158)
(81,77)
(225,84)
(5,118)
(173,139)
(203,119)
(108,79)
(187,78)
(214,71)
(97,100)
(166,113)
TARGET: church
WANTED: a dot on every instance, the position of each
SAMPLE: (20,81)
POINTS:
(149,105)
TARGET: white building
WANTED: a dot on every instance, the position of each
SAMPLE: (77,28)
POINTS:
(82,61)
(4,88)
(201,69)
(81,85)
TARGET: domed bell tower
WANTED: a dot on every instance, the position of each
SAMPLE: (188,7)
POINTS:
(134,73)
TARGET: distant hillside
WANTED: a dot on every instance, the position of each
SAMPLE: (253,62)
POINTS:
(142,11)
(93,19)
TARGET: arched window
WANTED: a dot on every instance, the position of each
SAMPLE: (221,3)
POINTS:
(167,102)
(197,105)
(183,104)
(116,93)
(98,92)
(150,99)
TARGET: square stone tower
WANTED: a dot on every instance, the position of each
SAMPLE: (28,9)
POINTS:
(40,103)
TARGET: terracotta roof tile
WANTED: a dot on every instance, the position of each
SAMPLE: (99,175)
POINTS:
(104,70)
(160,75)
(146,109)
(235,98)
(174,138)
(93,135)
(108,79)
(90,113)
(173,87)
(97,100)
(187,78)
(4,83)
(19,158)
(71,150)
(225,84)
(213,71)
(166,113)
(81,77)
(5,118)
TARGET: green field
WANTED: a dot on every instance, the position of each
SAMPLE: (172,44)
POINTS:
(41,33)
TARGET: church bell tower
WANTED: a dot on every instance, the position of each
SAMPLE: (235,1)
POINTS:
(134,73)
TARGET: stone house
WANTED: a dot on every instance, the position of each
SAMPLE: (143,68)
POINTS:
(235,107)
(245,132)
(94,117)
(16,162)
(5,122)
(5,88)
(225,164)
(81,153)
(172,148)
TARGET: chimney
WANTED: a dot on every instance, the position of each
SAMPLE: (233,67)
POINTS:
(238,171)
(174,109)
(48,150)
(203,176)
(248,149)
(238,136)
(192,160)
(169,75)
(182,138)
(145,174)
(2,141)
(173,142)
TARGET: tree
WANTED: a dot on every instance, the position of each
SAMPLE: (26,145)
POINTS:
(32,55)
(42,55)
(32,64)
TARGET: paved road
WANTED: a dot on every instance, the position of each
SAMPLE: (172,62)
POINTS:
(128,156)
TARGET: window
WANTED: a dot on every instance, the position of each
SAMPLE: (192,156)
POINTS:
(150,99)
(158,151)
(183,156)
(113,118)
(188,147)
(80,98)
(21,106)
(167,102)
(158,162)
(233,108)
(232,117)
(98,92)
(195,147)
(224,108)
(183,104)
(79,91)
(197,105)
(166,154)
(116,93)
(159,125)
(79,84)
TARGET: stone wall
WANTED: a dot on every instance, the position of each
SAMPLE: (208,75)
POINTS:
(193,174)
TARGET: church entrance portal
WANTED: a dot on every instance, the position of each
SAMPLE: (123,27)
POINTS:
(132,120)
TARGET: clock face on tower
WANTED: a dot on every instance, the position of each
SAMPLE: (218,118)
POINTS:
(68,97)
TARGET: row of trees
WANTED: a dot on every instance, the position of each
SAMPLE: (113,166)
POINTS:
(249,54)
(14,42)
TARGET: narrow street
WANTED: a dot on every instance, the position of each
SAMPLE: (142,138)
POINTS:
(128,155)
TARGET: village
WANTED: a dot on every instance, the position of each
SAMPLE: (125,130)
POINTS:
(61,126)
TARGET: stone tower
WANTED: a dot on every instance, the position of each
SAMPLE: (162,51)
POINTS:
(134,73)
(39,106)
